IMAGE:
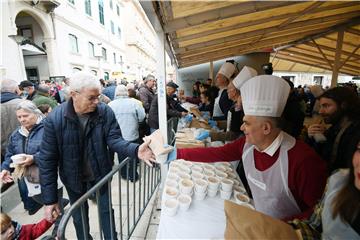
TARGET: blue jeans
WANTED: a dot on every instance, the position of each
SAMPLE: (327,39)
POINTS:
(104,213)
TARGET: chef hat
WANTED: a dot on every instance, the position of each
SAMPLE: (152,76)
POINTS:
(245,74)
(227,69)
(265,96)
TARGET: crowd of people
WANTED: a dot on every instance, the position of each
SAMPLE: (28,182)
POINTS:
(68,134)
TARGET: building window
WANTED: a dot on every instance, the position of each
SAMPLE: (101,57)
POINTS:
(118,10)
(26,31)
(103,51)
(318,80)
(73,43)
(119,32)
(106,76)
(91,49)
(112,27)
(71,1)
(289,78)
(94,72)
(101,12)
(111,4)
(114,55)
(88,7)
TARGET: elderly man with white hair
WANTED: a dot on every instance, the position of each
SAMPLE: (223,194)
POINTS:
(78,136)
(146,92)
(129,113)
(286,177)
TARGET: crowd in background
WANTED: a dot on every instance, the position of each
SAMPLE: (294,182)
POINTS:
(332,128)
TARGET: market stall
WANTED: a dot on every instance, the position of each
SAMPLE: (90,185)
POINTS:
(193,199)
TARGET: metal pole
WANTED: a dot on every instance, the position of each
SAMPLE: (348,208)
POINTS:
(99,212)
(162,89)
(211,72)
(83,221)
(120,203)
(112,227)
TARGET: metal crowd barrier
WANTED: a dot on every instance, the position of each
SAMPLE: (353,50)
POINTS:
(138,199)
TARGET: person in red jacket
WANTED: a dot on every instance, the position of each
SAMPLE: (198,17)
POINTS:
(286,177)
(12,230)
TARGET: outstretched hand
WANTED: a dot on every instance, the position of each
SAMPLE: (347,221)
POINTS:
(52,212)
(5,176)
(145,153)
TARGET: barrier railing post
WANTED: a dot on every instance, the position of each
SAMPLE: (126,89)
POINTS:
(149,179)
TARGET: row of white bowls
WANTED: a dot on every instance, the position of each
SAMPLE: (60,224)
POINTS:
(186,179)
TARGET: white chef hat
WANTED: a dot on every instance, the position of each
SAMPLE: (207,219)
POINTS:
(265,96)
(245,74)
(227,69)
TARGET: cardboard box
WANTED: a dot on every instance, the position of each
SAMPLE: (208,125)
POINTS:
(222,124)
(199,124)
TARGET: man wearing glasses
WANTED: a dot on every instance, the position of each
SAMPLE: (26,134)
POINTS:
(78,135)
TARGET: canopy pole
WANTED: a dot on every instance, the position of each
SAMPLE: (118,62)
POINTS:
(161,95)
(211,72)
(335,72)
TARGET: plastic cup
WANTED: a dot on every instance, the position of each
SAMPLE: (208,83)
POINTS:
(184,202)
(225,194)
(186,186)
(241,198)
(208,167)
(171,192)
(196,169)
(213,183)
(18,158)
(172,176)
(209,173)
(183,175)
(171,207)
(221,175)
(200,185)
(185,169)
(212,192)
(239,189)
(171,183)
(227,184)
(196,175)
(199,195)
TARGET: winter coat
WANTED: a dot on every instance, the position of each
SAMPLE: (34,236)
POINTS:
(64,147)
(171,111)
(146,96)
(9,121)
(20,144)
(30,231)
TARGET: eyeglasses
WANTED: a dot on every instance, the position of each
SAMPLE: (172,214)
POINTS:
(91,98)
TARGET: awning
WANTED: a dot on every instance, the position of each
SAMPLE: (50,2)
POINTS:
(299,34)
(31,49)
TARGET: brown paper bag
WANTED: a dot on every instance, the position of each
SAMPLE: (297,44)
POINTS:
(245,223)
(196,112)
(199,124)
(157,144)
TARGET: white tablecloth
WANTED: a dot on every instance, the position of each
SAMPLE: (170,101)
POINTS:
(204,219)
